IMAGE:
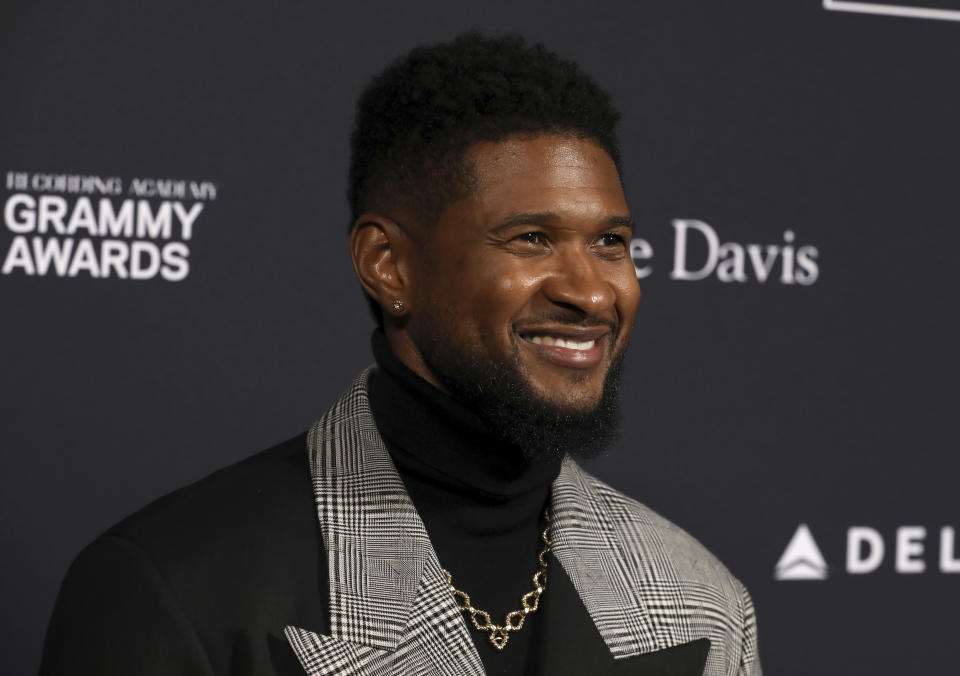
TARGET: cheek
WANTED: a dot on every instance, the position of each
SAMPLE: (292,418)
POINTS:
(518,277)
(495,282)
(498,295)
(482,295)
(510,292)
(507,286)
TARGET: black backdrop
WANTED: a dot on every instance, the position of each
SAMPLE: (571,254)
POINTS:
(751,407)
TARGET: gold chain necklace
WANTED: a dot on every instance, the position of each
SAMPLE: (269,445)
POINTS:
(529,602)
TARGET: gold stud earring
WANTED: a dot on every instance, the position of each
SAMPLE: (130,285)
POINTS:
(398,305)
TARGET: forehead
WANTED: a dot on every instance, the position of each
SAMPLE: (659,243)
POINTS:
(544,173)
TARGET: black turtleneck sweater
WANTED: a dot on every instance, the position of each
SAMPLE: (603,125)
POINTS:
(481,501)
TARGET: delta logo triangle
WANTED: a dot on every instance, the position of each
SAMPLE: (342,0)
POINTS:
(801,560)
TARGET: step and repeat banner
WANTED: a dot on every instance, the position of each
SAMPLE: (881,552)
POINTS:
(176,294)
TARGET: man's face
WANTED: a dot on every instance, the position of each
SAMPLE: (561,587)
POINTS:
(530,275)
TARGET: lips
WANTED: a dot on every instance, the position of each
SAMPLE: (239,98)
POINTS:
(569,347)
(558,341)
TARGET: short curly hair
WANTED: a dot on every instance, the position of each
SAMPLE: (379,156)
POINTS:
(415,120)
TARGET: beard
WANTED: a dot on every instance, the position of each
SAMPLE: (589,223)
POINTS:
(501,396)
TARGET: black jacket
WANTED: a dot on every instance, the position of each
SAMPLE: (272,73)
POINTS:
(200,582)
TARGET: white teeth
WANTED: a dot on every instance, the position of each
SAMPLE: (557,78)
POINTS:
(562,342)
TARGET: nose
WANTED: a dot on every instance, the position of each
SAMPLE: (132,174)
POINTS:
(579,281)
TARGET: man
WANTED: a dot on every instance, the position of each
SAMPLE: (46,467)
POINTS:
(433,521)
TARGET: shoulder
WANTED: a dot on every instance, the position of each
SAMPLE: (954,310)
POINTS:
(258,491)
(643,528)
(690,558)
(246,532)
(697,596)
(218,566)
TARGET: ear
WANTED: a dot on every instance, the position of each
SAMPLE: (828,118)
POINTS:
(381,253)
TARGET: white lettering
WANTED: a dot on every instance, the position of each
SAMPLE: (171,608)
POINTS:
(116,223)
(203,191)
(680,270)
(762,265)
(84,258)
(187,218)
(18,257)
(730,268)
(82,217)
(786,255)
(113,255)
(137,268)
(640,250)
(175,266)
(949,563)
(41,182)
(170,188)
(143,187)
(910,545)
(856,537)
(807,262)
(50,212)
(23,221)
(45,251)
(152,226)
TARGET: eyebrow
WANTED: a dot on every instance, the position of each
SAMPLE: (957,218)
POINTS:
(547,217)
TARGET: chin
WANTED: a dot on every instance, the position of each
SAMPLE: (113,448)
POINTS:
(576,393)
(564,405)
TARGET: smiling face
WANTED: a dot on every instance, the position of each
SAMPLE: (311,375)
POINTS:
(529,275)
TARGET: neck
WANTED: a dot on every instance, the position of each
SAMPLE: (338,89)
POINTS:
(448,458)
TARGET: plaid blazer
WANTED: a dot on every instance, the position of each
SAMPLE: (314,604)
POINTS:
(646,584)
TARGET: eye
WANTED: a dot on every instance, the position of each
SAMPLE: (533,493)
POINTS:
(532,238)
(611,239)
(530,243)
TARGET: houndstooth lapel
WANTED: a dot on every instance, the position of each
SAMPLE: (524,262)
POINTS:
(646,583)
(390,609)
(608,575)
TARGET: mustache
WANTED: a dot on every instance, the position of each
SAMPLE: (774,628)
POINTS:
(570,318)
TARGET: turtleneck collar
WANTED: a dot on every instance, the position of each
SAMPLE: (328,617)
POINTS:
(435,437)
